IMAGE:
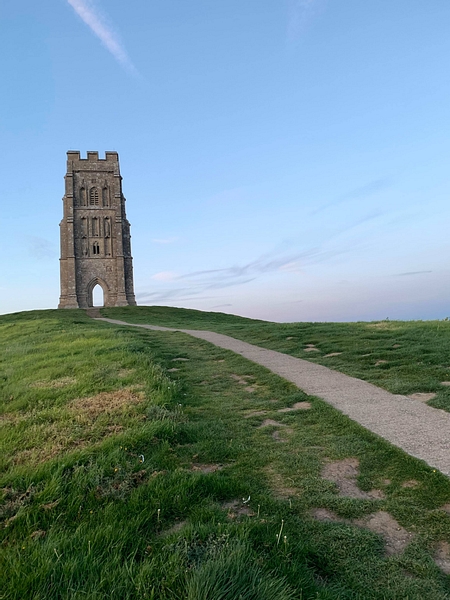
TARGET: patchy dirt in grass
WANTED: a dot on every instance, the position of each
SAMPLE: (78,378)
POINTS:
(442,556)
(396,538)
(180,359)
(422,396)
(83,428)
(237,508)
(279,437)
(119,486)
(13,500)
(242,379)
(290,338)
(412,483)
(174,529)
(311,349)
(50,505)
(396,346)
(204,468)
(38,534)
(281,488)
(380,362)
(332,354)
(296,406)
(383,325)
(271,423)
(325,515)
(172,370)
(445,508)
(106,402)
(343,473)
(255,413)
(54,383)
(125,373)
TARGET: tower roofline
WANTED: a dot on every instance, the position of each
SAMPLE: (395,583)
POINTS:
(92,156)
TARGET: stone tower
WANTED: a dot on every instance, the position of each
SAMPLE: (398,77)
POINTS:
(95,233)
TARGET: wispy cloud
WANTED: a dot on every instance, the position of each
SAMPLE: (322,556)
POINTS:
(220,306)
(369,189)
(98,24)
(165,276)
(192,285)
(411,273)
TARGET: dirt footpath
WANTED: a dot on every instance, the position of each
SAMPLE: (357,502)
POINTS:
(416,428)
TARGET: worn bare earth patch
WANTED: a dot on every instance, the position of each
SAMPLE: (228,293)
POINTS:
(54,383)
(106,402)
(237,508)
(203,468)
(396,538)
(296,406)
(281,487)
(442,556)
(344,474)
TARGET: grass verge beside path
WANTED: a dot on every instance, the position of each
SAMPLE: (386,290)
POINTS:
(403,357)
(141,464)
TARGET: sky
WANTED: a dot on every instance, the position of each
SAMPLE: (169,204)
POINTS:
(286,160)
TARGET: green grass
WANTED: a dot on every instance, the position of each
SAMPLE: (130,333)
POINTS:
(124,478)
(403,357)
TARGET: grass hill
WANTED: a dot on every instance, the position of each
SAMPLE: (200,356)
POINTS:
(144,464)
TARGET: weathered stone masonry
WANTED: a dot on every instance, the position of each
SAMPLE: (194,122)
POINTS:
(95,233)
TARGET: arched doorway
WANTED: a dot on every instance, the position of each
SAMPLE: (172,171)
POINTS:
(98,296)
(97,293)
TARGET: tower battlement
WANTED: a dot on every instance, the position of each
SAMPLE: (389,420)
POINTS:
(95,233)
(92,156)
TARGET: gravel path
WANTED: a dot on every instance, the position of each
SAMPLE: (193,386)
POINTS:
(416,428)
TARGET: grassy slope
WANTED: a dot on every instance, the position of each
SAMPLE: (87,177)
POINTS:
(404,357)
(109,489)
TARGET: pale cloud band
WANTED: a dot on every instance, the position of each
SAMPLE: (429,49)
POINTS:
(87,12)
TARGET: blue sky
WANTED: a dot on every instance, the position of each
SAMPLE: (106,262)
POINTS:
(282,159)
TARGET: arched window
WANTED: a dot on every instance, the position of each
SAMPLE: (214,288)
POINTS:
(82,196)
(107,227)
(83,227)
(93,196)
(95,248)
(105,198)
